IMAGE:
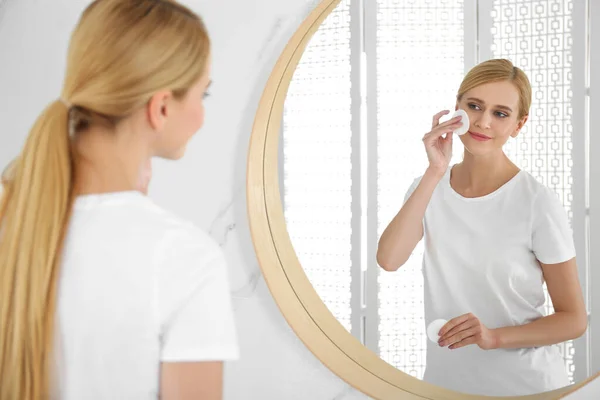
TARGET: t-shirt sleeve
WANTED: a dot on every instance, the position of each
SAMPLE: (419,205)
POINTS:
(552,236)
(411,189)
(194,301)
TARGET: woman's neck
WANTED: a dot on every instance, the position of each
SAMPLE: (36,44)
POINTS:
(478,176)
(106,162)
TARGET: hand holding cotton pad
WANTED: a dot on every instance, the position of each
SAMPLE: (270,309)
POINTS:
(433,329)
(464,128)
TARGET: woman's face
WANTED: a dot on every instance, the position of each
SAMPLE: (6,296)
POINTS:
(493,110)
(183,118)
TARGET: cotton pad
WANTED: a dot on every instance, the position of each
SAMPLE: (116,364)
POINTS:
(433,329)
(461,130)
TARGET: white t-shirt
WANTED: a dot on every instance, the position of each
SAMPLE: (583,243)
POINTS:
(137,286)
(481,256)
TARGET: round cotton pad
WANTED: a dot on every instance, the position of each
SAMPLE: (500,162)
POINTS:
(433,329)
(461,130)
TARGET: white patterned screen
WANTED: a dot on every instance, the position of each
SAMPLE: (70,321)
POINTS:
(536,36)
(420,64)
(317,169)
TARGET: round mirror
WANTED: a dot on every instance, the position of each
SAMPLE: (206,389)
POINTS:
(350,101)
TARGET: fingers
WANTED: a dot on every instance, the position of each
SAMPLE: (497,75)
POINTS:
(448,139)
(447,127)
(468,324)
(464,342)
(436,118)
(460,336)
(452,121)
(455,322)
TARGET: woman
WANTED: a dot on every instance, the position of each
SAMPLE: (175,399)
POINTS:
(493,235)
(103,294)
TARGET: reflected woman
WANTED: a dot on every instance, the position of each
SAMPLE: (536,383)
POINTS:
(493,235)
(103,294)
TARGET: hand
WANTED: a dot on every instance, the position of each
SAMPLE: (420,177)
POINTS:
(465,330)
(439,149)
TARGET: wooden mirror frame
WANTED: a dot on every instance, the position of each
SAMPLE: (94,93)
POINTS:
(295,296)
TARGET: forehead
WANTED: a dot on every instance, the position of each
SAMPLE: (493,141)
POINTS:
(502,93)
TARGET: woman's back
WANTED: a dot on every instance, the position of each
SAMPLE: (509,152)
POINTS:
(138,286)
(140,299)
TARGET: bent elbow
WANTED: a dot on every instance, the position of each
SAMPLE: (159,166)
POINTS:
(387,264)
(578,325)
(581,326)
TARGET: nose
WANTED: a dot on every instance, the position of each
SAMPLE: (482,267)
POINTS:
(484,121)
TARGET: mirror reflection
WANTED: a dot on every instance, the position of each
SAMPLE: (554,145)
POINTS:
(407,230)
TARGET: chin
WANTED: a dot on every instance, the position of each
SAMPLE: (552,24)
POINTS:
(178,156)
(174,155)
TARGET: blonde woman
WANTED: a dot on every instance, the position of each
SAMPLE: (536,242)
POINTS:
(493,235)
(103,294)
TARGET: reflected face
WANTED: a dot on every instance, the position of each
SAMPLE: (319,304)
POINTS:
(493,110)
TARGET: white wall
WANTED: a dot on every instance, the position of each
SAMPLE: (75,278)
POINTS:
(208,185)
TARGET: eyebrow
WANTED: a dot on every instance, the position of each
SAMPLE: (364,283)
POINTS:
(209,83)
(483,102)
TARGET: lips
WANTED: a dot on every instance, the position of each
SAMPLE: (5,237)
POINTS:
(479,136)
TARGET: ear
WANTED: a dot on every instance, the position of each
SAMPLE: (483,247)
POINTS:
(520,125)
(158,109)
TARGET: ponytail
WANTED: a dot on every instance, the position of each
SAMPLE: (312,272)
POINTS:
(34,212)
(146,46)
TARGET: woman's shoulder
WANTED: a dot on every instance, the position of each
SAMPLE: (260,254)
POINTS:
(135,215)
(181,233)
(534,186)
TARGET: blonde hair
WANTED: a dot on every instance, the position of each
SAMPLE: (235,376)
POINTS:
(120,54)
(496,70)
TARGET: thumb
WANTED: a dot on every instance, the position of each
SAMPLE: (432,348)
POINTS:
(448,139)
(448,145)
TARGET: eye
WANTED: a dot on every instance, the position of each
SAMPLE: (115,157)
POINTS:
(500,114)
(473,106)
(205,95)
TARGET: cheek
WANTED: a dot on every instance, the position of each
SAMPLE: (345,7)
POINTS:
(196,116)
(472,114)
(507,128)
(504,132)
